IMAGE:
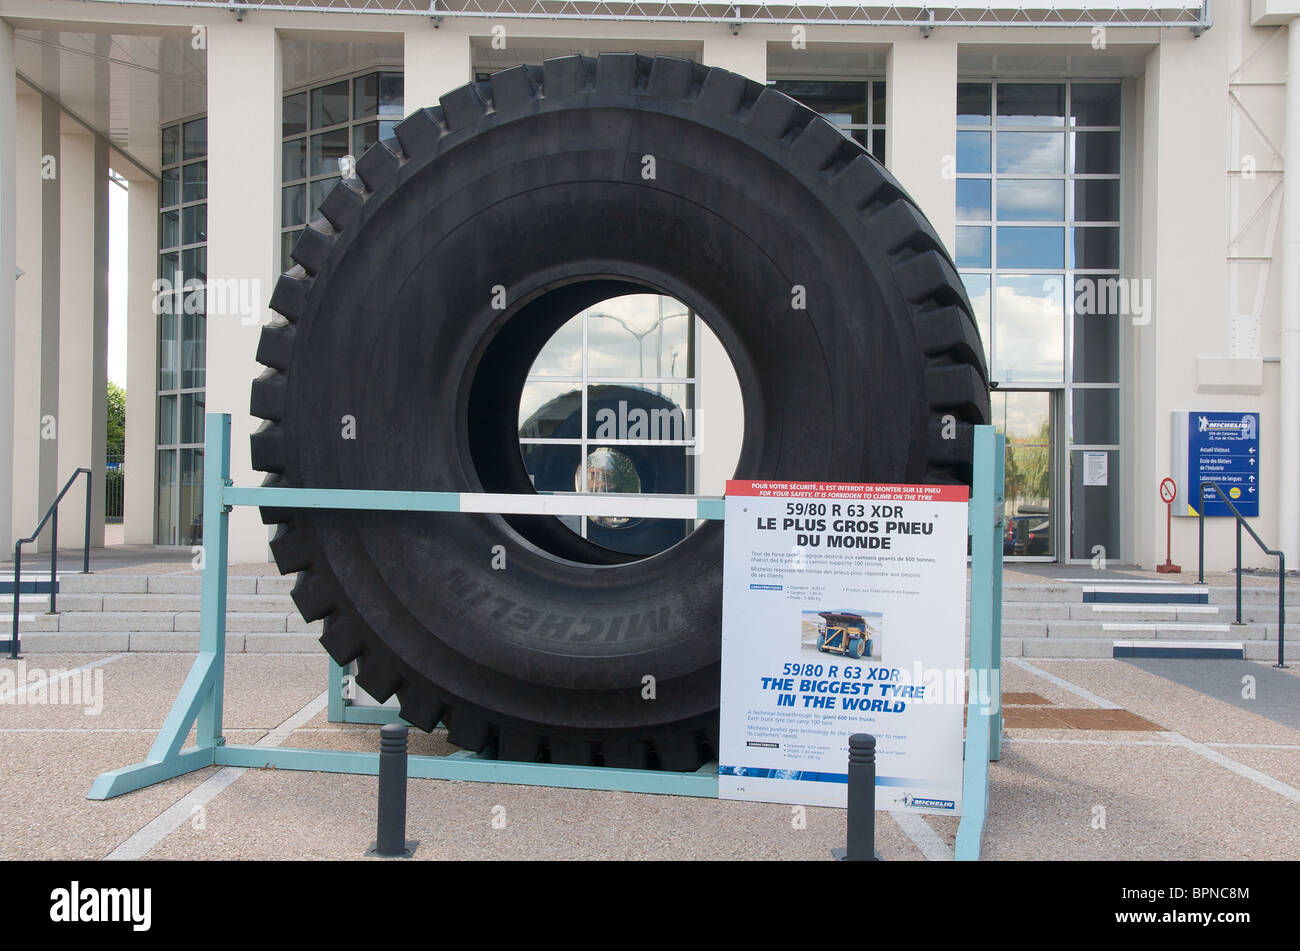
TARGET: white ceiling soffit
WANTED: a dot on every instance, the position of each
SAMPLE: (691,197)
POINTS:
(121,85)
(1029,13)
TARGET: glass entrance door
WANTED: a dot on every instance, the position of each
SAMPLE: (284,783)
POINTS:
(1030,526)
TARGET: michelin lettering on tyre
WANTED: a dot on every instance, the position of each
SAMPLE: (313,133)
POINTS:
(848,327)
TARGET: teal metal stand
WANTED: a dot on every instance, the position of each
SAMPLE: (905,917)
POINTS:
(984,696)
(198,706)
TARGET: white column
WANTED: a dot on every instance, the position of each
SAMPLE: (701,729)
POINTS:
(244,92)
(74,421)
(141,362)
(27,323)
(743,54)
(921,112)
(8,269)
(435,61)
(1289,390)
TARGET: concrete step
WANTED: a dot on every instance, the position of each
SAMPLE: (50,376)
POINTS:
(75,642)
(1144,594)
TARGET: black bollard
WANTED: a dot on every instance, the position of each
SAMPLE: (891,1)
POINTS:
(861,846)
(390,837)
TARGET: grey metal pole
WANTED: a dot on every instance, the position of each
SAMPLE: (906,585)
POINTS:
(390,836)
(1238,570)
(85,550)
(18,582)
(861,837)
(1200,536)
(54,556)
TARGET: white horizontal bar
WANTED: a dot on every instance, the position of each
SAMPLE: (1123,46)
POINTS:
(598,504)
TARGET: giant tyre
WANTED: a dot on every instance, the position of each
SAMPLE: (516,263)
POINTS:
(420,300)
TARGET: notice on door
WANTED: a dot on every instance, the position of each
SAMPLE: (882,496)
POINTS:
(844,609)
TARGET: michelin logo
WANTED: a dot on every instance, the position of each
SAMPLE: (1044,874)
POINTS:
(917,802)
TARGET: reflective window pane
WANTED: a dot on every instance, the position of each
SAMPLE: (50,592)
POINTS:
(1096,153)
(1095,248)
(191,417)
(293,118)
(194,263)
(196,181)
(1030,152)
(978,290)
(392,88)
(166,420)
(1096,416)
(974,104)
(364,136)
(973,152)
(171,145)
(1026,420)
(293,205)
(293,164)
(1031,104)
(195,138)
(640,411)
(1096,199)
(193,352)
(1029,342)
(329,105)
(1096,346)
(171,186)
(641,335)
(878,150)
(1094,104)
(287,240)
(562,355)
(365,96)
(169,232)
(1031,247)
(973,199)
(189,525)
(974,248)
(550,411)
(326,150)
(165,523)
(878,99)
(1031,199)
(194,224)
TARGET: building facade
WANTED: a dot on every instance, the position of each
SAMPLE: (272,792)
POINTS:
(1111,185)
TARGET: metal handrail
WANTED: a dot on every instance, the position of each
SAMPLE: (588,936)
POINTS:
(1281,563)
(52,516)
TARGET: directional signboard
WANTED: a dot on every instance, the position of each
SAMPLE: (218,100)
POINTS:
(1221,448)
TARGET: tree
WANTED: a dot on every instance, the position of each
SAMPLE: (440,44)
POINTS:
(116,421)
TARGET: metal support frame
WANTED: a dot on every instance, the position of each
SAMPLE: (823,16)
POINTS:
(199,702)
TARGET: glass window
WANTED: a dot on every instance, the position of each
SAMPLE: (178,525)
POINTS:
(293,205)
(878,99)
(1096,346)
(562,355)
(1096,199)
(287,240)
(973,152)
(319,190)
(365,96)
(978,289)
(193,352)
(171,186)
(973,201)
(329,105)
(1096,153)
(1096,416)
(1031,199)
(293,161)
(326,150)
(196,139)
(196,181)
(1029,344)
(1026,420)
(165,515)
(1030,153)
(1094,104)
(364,136)
(194,263)
(974,248)
(190,502)
(166,420)
(171,145)
(294,114)
(974,104)
(1031,104)
(1031,247)
(194,224)
(1095,248)
(169,232)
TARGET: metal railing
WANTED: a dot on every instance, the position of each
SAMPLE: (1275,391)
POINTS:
(1281,562)
(52,516)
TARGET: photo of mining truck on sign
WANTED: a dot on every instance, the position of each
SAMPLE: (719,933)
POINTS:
(853,634)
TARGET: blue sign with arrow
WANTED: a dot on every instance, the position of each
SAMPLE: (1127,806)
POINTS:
(1222,448)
